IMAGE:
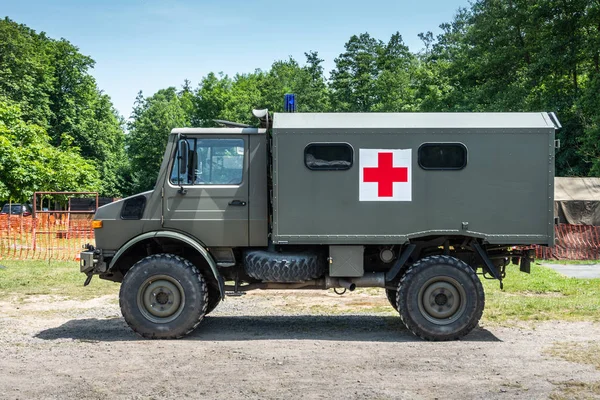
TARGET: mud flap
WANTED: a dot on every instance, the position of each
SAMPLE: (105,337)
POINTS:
(525,264)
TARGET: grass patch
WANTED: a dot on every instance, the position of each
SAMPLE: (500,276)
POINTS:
(542,295)
(60,278)
(577,352)
(581,353)
(575,390)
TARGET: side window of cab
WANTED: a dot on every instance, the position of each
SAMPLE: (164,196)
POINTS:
(210,161)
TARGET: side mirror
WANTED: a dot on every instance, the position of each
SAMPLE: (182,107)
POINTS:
(182,157)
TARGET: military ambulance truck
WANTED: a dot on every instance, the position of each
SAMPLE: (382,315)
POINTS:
(420,204)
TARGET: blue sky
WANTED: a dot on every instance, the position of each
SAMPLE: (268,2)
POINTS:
(152,44)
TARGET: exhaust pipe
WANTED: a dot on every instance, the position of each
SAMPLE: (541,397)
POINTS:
(370,280)
(346,285)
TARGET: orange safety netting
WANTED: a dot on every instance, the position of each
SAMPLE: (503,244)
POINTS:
(56,236)
(573,242)
(60,236)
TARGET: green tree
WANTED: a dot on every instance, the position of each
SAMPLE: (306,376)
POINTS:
(432,80)
(50,82)
(316,94)
(306,82)
(353,81)
(81,111)
(25,70)
(233,99)
(589,100)
(29,163)
(210,99)
(374,76)
(521,55)
(152,120)
(247,93)
(395,86)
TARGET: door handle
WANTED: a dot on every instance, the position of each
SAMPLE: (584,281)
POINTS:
(237,203)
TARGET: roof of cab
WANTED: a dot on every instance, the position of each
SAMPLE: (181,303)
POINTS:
(414,120)
(219,131)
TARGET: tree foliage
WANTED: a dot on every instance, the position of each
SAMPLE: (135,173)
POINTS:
(374,76)
(29,162)
(152,121)
(47,83)
(520,55)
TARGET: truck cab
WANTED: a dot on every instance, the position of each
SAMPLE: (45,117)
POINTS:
(217,186)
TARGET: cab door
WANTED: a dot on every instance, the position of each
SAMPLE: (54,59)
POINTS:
(206,195)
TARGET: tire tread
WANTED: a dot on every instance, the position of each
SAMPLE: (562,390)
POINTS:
(392,296)
(283,267)
(185,264)
(412,272)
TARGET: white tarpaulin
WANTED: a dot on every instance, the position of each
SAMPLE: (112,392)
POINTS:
(577,200)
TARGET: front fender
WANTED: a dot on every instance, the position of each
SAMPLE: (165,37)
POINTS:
(176,236)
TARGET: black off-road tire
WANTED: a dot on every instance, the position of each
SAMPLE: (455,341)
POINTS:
(163,296)
(440,298)
(283,267)
(392,296)
(214,299)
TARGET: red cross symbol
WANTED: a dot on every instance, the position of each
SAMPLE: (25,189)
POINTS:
(385,174)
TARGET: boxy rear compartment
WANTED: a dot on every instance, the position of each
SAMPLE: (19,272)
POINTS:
(385,178)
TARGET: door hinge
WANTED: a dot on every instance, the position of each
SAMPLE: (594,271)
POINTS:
(162,192)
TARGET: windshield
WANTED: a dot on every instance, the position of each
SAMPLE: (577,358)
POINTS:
(14,209)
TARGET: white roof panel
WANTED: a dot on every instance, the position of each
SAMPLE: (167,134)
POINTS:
(411,120)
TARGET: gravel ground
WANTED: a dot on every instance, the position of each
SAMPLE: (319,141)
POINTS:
(264,346)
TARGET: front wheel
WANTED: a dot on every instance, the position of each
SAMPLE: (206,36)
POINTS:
(163,296)
(440,298)
(214,299)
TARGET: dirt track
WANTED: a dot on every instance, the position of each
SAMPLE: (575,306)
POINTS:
(259,346)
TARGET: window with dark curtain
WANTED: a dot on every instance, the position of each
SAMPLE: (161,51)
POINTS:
(328,156)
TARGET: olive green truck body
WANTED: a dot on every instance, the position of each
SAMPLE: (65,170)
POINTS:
(337,201)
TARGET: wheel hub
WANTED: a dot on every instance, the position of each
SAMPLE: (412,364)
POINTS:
(160,299)
(442,300)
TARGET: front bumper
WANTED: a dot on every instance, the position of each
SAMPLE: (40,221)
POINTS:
(87,263)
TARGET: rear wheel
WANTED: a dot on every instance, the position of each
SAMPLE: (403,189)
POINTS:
(392,297)
(163,296)
(440,298)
